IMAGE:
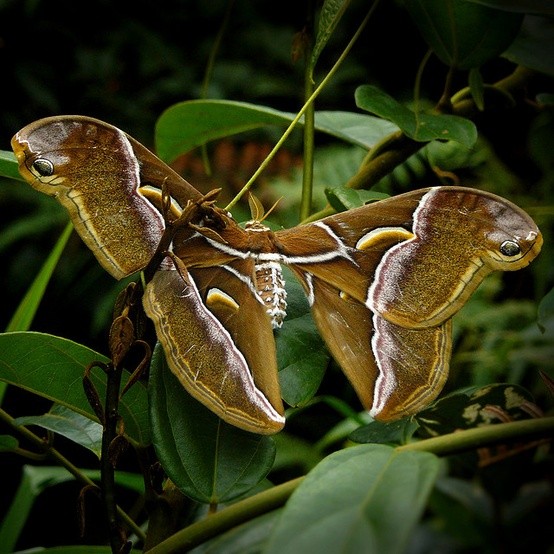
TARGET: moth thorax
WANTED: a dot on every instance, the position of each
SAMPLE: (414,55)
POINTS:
(271,289)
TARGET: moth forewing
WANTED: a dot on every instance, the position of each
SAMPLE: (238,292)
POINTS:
(95,175)
(459,238)
(202,354)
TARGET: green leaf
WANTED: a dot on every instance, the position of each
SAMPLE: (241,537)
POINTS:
(462,34)
(302,359)
(345,198)
(189,124)
(248,538)
(207,459)
(463,508)
(8,165)
(355,128)
(471,407)
(477,88)
(546,309)
(329,17)
(25,312)
(422,127)
(534,40)
(295,452)
(367,498)
(53,367)
(301,354)
(69,424)
(395,432)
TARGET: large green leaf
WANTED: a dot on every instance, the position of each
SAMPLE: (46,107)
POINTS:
(367,498)
(302,359)
(462,34)
(248,538)
(534,39)
(422,127)
(207,459)
(53,367)
(189,124)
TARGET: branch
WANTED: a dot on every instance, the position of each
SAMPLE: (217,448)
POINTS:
(64,462)
(276,497)
(397,148)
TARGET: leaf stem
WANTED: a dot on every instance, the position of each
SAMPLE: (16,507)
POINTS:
(303,109)
(276,497)
(309,119)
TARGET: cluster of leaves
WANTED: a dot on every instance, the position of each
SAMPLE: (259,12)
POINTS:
(346,483)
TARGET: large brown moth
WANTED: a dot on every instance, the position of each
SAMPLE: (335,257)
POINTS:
(383,280)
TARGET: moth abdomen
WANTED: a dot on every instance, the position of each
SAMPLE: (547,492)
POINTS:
(271,289)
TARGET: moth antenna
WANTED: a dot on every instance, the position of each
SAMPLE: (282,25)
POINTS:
(272,207)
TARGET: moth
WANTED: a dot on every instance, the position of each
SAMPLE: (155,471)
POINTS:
(383,280)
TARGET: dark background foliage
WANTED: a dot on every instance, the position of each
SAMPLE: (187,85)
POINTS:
(127,61)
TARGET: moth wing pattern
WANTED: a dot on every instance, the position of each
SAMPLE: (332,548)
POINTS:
(202,353)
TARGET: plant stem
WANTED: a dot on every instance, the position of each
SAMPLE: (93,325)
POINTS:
(309,120)
(470,439)
(107,467)
(244,510)
(274,498)
(64,462)
(299,115)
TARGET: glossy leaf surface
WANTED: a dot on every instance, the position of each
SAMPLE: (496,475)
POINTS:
(366,498)
(189,124)
(301,354)
(207,459)
(418,126)
(69,424)
(53,367)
